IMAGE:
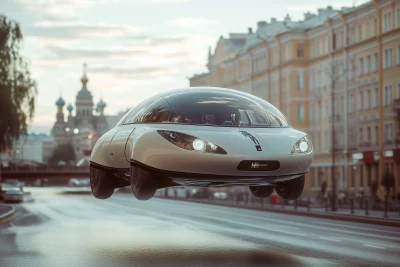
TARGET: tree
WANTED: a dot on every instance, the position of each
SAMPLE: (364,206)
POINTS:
(64,152)
(17,88)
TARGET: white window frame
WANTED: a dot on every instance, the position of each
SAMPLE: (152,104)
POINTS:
(360,100)
(300,80)
(367,64)
(360,66)
(387,95)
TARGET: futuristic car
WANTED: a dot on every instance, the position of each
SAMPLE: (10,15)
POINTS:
(202,136)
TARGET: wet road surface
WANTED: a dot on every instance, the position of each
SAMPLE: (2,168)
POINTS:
(79,230)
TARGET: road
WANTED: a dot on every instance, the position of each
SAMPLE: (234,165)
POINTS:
(79,230)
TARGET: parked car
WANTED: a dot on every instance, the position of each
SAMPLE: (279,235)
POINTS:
(220,195)
(15,183)
(78,182)
(12,194)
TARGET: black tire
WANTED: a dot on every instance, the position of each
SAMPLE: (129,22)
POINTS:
(292,189)
(143,187)
(100,183)
(261,191)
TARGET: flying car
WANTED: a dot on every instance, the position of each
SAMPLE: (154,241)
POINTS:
(202,136)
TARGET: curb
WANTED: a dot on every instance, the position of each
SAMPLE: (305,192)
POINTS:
(7,215)
(339,217)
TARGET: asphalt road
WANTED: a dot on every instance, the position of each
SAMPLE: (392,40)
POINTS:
(79,230)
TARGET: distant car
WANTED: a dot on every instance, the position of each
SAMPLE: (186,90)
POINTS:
(15,183)
(79,182)
(12,194)
(220,195)
(202,137)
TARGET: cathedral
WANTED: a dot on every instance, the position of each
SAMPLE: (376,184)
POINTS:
(88,124)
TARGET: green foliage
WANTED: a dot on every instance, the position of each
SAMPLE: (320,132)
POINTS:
(64,152)
(17,88)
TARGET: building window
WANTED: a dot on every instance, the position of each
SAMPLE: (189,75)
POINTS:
(360,33)
(360,66)
(300,81)
(326,109)
(361,176)
(351,103)
(368,99)
(398,90)
(387,22)
(325,139)
(375,63)
(300,112)
(398,17)
(342,104)
(387,59)
(312,112)
(369,135)
(398,55)
(388,133)
(375,27)
(360,100)
(367,64)
(300,51)
(376,97)
(388,95)
(376,135)
(360,138)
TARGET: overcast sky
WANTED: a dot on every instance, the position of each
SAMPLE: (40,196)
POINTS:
(133,48)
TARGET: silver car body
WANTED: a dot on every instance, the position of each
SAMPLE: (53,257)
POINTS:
(141,144)
(13,194)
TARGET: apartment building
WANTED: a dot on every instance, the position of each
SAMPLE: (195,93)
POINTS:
(331,61)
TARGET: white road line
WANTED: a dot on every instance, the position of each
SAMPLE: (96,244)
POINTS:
(373,246)
(358,227)
(330,239)
(201,223)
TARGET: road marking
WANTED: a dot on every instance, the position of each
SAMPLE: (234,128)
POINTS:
(373,246)
(358,227)
(197,222)
(330,239)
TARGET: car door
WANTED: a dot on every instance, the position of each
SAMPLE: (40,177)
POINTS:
(117,146)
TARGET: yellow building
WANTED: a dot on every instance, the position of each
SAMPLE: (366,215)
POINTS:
(295,65)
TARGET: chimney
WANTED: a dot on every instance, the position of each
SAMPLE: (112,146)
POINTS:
(250,30)
(261,23)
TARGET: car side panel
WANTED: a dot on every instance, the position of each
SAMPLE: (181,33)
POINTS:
(100,152)
(118,144)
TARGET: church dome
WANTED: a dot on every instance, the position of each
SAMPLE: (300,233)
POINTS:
(84,92)
(101,104)
(60,102)
(70,108)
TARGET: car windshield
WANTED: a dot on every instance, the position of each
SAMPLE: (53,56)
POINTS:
(211,108)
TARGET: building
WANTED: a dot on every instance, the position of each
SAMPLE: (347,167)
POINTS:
(87,125)
(352,54)
(31,147)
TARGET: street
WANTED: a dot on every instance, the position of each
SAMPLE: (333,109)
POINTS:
(78,230)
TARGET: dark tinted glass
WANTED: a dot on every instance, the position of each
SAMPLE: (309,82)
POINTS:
(223,109)
(157,112)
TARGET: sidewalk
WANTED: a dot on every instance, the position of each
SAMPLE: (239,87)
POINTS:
(373,217)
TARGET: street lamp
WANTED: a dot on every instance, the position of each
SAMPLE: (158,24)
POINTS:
(76,131)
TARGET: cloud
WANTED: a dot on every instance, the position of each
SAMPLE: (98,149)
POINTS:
(137,72)
(63,52)
(58,10)
(171,1)
(72,30)
(191,22)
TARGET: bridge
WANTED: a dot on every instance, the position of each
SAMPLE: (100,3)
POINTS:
(33,174)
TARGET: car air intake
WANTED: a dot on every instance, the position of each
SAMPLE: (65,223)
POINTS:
(258,165)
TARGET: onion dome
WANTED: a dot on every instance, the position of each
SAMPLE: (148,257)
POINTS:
(70,108)
(60,102)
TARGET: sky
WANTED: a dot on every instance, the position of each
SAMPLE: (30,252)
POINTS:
(133,48)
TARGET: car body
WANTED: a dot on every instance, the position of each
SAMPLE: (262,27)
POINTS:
(12,194)
(202,137)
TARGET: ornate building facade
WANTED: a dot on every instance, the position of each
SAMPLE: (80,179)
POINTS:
(87,125)
(352,54)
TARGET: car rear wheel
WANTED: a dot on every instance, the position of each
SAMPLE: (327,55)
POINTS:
(100,183)
(143,187)
(292,189)
(261,191)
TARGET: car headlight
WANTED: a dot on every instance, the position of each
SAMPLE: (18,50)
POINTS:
(303,146)
(191,143)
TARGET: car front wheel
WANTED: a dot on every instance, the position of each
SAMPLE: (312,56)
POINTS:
(143,187)
(292,189)
(261,191)
(100,183)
